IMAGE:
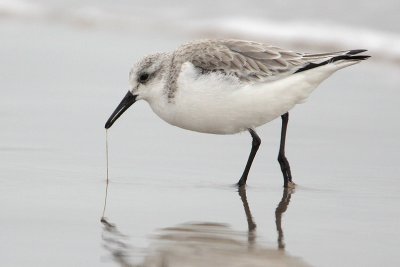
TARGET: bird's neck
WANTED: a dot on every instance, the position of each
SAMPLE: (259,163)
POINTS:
(173,69)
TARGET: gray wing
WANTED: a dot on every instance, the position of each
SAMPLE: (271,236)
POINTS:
(245,59)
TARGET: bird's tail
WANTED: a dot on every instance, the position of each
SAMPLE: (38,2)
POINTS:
(317,60)
(350,55)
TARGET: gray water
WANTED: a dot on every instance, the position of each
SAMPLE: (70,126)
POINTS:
(170,196)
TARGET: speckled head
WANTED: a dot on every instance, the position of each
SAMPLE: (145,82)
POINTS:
(146,80)
(147,74)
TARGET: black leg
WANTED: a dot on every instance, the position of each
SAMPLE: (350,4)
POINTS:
(283,162)
(255,145)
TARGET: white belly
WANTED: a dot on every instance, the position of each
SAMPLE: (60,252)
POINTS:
(217,104)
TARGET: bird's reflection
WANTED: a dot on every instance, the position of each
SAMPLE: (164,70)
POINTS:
(204,244)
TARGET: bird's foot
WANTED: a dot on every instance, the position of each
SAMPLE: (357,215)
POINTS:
(241,183)
(289,185)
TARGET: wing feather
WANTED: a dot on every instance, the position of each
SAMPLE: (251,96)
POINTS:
(244,59)
(249,61)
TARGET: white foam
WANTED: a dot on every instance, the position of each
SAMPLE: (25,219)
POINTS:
(308,36)
(20,8)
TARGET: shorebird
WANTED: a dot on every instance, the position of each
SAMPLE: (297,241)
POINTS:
(229,86)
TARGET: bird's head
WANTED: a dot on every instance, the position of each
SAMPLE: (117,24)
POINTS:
(146,81)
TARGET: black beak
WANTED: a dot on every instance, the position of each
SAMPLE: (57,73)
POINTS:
(126,102)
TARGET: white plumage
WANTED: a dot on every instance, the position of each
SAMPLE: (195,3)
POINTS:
(222,104)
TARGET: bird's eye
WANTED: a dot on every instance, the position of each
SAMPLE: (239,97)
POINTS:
(143,77)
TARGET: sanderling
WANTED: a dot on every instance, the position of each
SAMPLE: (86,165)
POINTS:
(229,86)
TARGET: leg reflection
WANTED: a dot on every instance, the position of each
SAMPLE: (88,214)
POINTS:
(250,223)
(282,207)
(279,211)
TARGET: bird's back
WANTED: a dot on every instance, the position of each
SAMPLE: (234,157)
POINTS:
(253,61)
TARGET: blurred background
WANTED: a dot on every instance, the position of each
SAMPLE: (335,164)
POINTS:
(64,68)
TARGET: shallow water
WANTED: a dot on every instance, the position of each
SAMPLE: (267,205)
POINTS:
(170,196)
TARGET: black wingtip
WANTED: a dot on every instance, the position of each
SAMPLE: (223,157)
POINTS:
(356,51)
(359,57)
(351,55)
(347,56)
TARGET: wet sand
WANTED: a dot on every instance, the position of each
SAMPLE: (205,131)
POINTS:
(170,190)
